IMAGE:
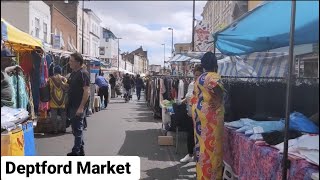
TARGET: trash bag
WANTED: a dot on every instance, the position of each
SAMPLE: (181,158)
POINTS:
(301,123)
(29,143)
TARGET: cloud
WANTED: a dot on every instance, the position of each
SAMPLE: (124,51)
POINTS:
(145,23)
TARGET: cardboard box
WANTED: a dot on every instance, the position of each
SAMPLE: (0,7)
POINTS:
(165,140)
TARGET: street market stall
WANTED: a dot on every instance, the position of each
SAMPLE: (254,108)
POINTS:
(269,29)
(18,120)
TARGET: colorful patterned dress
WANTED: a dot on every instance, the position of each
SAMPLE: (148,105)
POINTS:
(208,113)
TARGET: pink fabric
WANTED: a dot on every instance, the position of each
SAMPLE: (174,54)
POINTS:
(250,160)
(43,106)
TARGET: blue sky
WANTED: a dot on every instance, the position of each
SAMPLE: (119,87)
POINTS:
(145,23)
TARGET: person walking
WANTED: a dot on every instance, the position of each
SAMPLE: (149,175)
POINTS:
(78,98)
(57,99)
(103,89)
(126,81)
(139,86)
(208,114)
(112,82)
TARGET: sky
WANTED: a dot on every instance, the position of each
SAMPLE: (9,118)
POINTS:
(146,23)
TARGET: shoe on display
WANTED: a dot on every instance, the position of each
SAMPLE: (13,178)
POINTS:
(186,159)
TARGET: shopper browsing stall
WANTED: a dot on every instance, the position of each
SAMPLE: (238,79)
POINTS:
(57,99)
(78,98)
(198,70)
(103,88)
(208,113)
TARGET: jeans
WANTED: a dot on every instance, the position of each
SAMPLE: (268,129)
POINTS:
(55,121)
(138,92)
(77,123)
(104,93)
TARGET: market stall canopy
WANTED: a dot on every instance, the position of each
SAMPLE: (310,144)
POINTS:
(192,57)
(17,38)
(268,27)
(260,64)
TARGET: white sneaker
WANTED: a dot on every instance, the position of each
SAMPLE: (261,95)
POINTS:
(187,158)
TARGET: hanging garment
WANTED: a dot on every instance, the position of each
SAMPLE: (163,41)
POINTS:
(208,114)
(180,91)
(21,99)
(35,80)
(25,63)
(57,93)
(43,106)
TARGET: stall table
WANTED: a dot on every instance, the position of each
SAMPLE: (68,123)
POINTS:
(250,160)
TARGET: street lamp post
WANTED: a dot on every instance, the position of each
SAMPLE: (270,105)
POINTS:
(118,54)
(82,47)
(164,55)
(171,41)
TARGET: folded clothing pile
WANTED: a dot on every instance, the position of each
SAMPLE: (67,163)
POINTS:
(298,122)
(255,128)
(11,116)
(306,146)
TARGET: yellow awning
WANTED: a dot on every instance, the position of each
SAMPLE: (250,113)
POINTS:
(16,38)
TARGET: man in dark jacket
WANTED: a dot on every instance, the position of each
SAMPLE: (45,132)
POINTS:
(127,83)
(139,86)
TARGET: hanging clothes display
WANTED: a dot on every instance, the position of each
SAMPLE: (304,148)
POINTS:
(43,106)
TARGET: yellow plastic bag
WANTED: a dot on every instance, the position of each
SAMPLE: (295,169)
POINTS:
(17,142)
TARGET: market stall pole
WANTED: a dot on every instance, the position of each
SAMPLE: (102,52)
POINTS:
(285,161)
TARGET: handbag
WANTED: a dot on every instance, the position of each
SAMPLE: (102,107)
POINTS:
(45,93)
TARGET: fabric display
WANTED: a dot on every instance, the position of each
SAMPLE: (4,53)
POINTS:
(250,160)
(165,88)
(276,137)
(263,99)
(254,129)
(306,147)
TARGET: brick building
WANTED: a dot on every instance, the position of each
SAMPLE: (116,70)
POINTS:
(65,28)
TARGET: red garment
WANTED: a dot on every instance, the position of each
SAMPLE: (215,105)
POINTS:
(26,63)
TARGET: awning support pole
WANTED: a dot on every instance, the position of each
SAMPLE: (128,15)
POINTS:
(285,161)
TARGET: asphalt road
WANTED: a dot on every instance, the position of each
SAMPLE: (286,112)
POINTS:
(125,129)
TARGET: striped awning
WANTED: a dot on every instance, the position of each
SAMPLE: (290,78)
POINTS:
(262,64)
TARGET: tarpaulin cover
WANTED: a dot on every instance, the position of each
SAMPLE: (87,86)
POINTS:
(18,38)
(268,27)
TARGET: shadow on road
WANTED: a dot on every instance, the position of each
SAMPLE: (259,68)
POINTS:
(144,143)
(179,171)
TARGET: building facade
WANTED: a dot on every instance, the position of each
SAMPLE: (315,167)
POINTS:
(253,4)
(108,48)
(64,31)
(219,14)
(83,22)
(182,47)
(94,33)
(32,17)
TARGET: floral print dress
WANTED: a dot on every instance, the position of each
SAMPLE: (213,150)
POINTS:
(208,115)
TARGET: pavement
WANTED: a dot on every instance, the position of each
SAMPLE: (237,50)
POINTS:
(125,129)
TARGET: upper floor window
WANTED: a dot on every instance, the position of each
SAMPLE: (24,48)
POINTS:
(45,32)
(37,27)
